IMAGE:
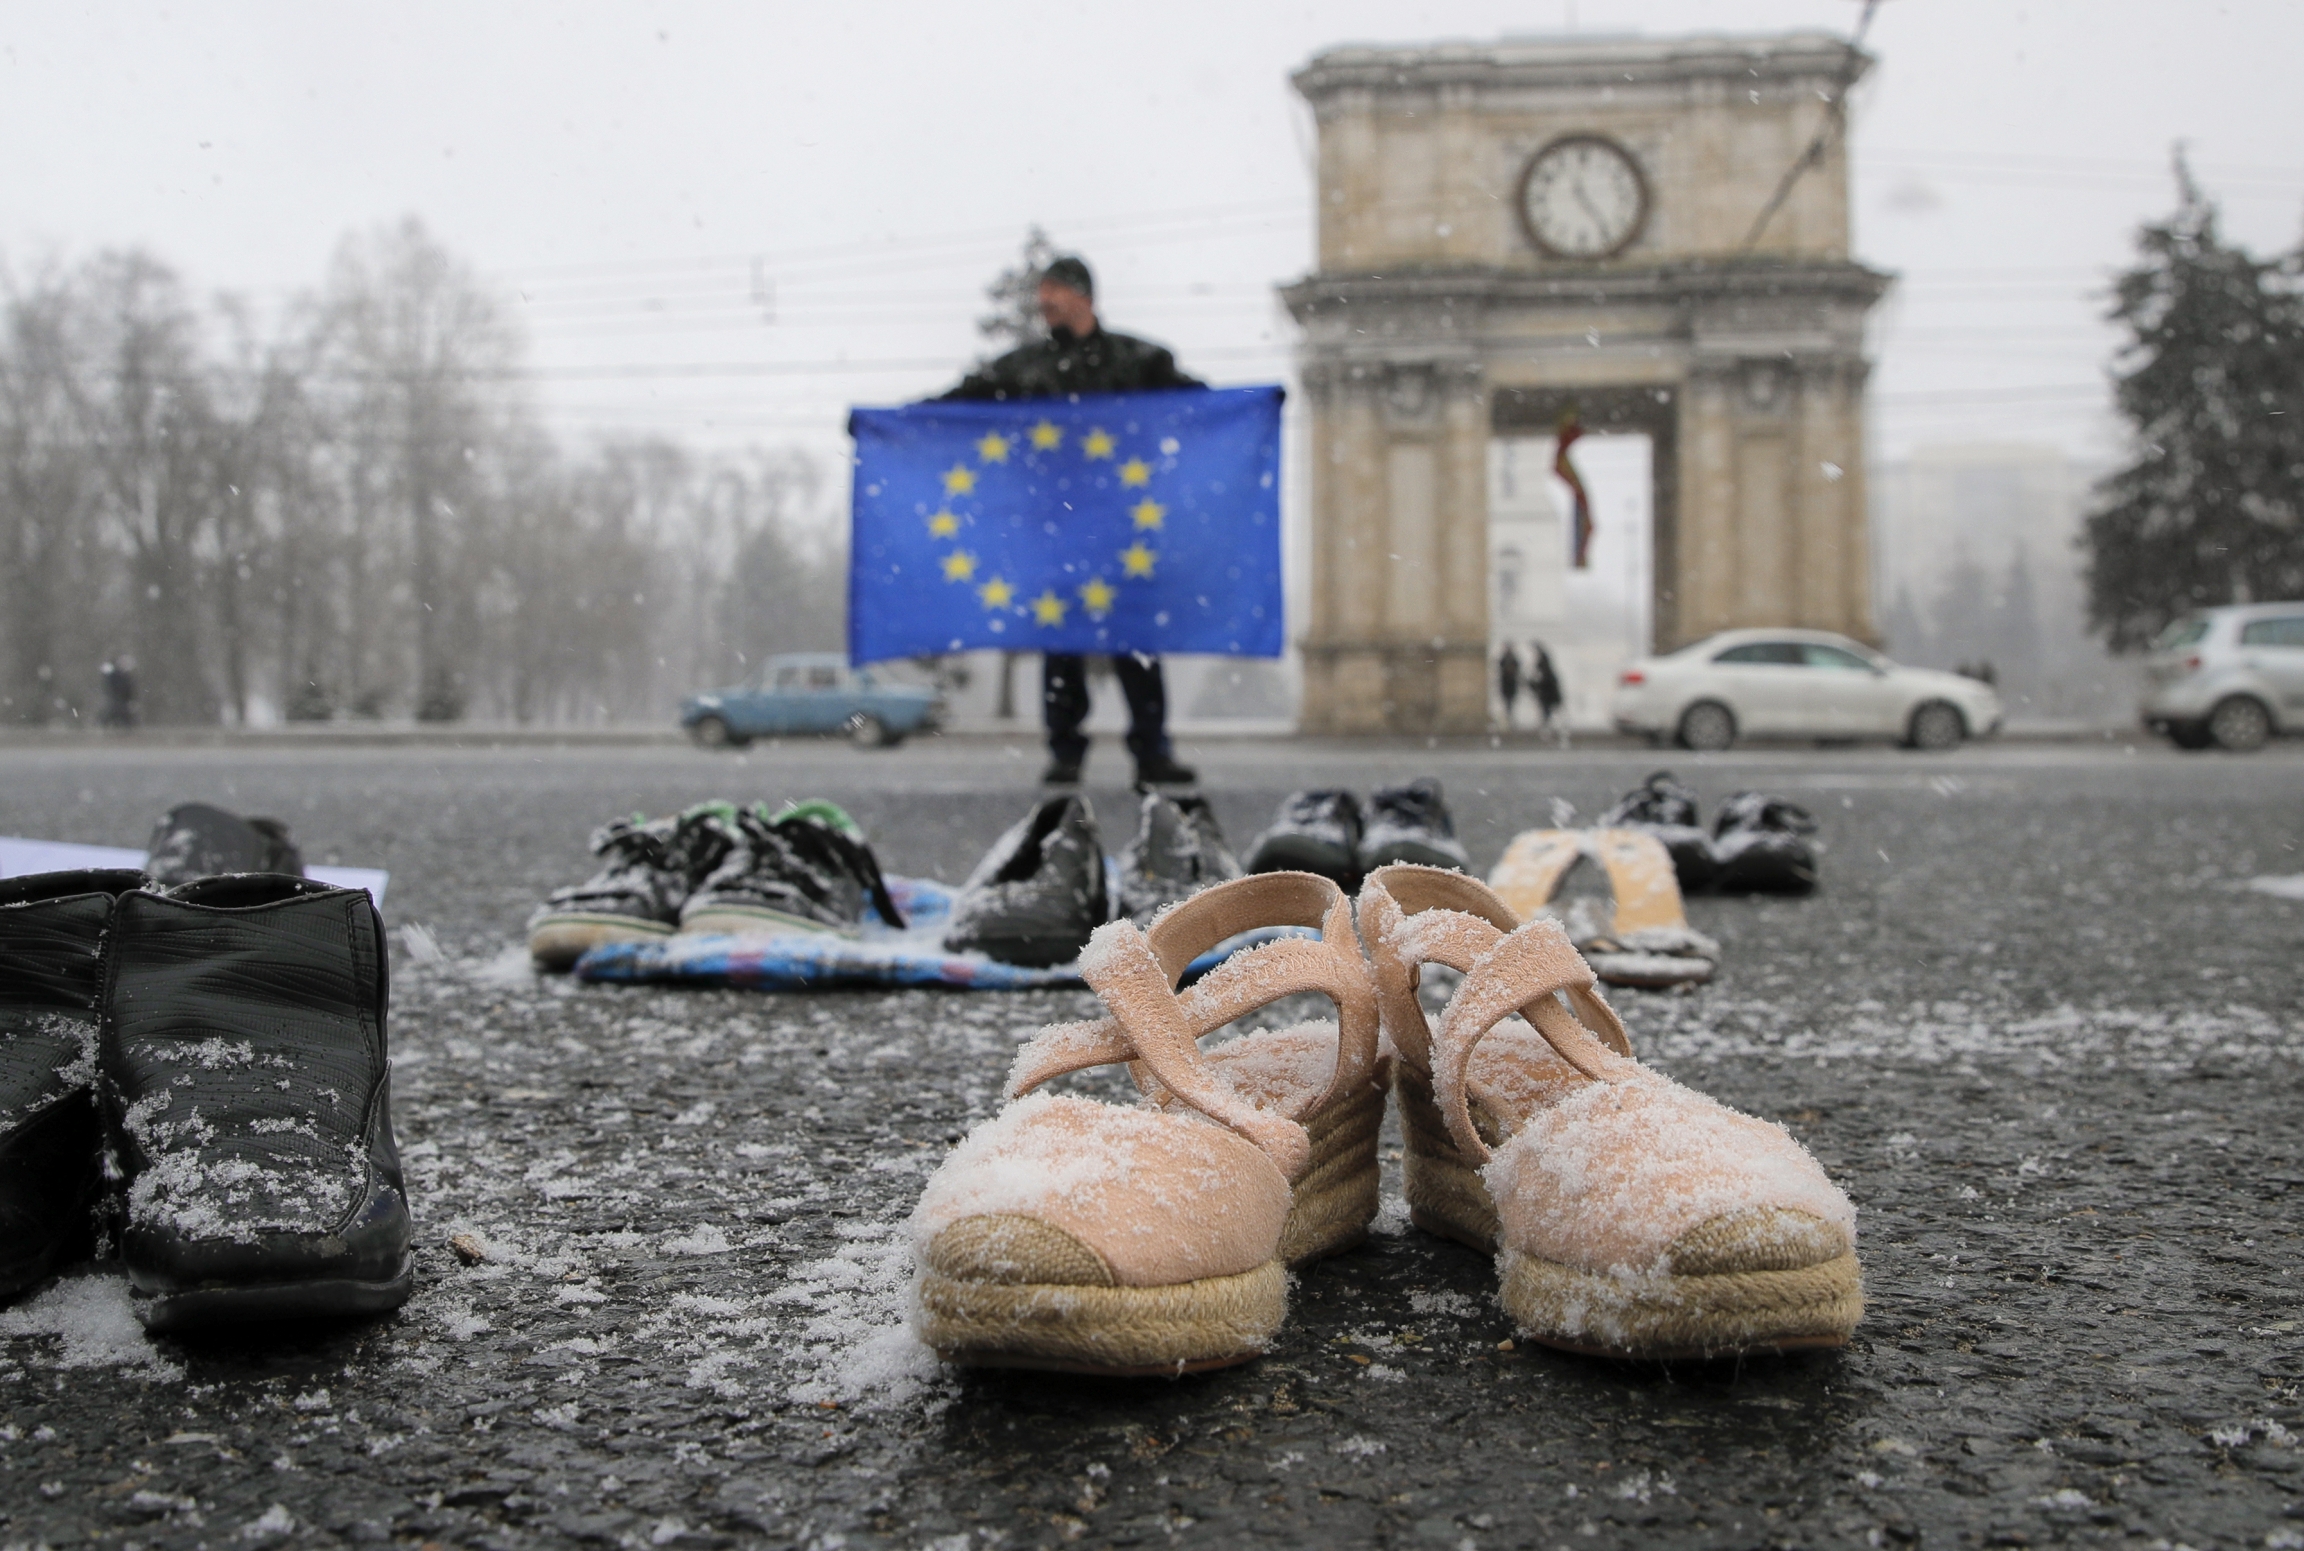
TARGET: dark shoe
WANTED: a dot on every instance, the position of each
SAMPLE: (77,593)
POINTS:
(1061,773)
(807,869)
(1664,808)
(1760,846)
(248,1103)
(52,927)
(1410,824)
(1038,893)
(1317,832)
(1177,852)
(652,866)
(1164,771)
(195,840)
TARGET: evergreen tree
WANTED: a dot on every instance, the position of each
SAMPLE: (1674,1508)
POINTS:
(2212,382)
(1015,297)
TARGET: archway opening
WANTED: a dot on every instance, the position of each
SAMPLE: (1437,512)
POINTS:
(1589,622)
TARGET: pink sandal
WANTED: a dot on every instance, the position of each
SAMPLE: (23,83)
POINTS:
(1067,1233)
(1630,1216)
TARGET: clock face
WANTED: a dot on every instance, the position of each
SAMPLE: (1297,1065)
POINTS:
(1583,197)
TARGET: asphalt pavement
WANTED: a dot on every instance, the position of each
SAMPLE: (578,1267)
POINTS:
(2038,1022)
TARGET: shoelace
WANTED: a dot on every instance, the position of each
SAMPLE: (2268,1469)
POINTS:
(1334,807)
(813,844)
(1750,810)
(1418,803)
(1657,800)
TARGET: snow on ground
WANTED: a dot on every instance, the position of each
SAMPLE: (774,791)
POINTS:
(91,1324)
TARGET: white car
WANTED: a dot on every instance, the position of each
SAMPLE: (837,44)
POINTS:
(1797,684)
(2232,677)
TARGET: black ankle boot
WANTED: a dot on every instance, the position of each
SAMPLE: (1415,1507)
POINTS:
(248,1103)
(52,928)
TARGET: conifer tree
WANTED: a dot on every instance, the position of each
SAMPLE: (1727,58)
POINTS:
(2211,507)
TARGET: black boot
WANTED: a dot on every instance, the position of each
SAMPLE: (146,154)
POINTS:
(52,928)
(248,1103)
(1038,893)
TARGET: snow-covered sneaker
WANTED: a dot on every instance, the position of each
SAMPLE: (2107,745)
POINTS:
(1410,824)
(248,1103)
(1666,809)
(1178,851)
(1316,832)
(52,928)
(651,867)
(1039,891)
(197,840)
(1629,1216)
(1760,844)
(806,869)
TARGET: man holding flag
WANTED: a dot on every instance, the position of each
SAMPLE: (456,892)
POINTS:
(1080,356)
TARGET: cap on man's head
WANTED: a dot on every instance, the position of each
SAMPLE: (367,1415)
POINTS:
(1070,272)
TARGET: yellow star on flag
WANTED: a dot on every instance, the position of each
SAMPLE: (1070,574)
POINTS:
(1097,596)
(993,448)
(996,594)
(1136,560)
(1096,444)
(1148,513)
(1135,472)
(959,480)
(1046,438)
(943,525)
(959,566)
(1048,609)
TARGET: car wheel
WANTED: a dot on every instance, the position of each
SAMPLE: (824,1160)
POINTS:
(2240,724)
(867,731)
(1707,727)
(1936,727)
(711,732)
(2192,736)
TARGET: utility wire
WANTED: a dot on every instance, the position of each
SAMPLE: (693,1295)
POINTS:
(1835,124)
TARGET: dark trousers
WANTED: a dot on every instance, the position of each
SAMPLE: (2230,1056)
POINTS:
(1064,704)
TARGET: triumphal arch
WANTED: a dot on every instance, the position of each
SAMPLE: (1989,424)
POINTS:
(1511,231)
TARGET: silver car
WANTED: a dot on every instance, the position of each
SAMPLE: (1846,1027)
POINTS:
(2230,677)
(1797,684)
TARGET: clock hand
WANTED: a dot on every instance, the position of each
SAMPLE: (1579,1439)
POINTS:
(1599,221)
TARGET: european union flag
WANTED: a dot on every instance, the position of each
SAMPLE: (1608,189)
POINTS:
(1118,522)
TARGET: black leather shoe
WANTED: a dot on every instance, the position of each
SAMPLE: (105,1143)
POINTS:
(1178,851)
(1410,824)
(248,1103)
(1318,832)
(1038,893)
(1760,844)
(197,840)
(1061,773)
(52,927)
(1664,808)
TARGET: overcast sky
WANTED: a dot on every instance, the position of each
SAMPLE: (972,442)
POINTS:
(729,221)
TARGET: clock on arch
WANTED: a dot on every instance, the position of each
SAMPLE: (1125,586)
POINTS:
(1583,197)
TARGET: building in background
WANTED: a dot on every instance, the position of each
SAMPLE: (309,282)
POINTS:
(1977,558)
(1512,231)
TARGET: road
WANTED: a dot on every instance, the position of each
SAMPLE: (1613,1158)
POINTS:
(2036,1022)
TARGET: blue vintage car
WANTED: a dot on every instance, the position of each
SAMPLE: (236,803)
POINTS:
(812,692)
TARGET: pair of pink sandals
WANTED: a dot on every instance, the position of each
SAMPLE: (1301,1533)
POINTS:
(1630,1216)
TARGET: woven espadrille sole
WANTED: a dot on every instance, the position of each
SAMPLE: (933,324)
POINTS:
(1682,1317)
(559,941)
(1125,1331)
(1150,1331)
(1660,1317)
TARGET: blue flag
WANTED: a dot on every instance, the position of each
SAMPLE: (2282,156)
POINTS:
(1118,522)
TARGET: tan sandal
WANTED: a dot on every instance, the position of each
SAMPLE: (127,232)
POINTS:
(1070,1234)
(1631,1217)
(1640,936)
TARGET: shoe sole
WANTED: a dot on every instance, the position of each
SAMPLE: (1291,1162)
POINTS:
(1660,1318)
(1189,1327)
(332,1298)
(756,921)
(1023,952)
(559,941)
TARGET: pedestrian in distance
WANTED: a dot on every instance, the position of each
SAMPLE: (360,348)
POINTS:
(1544,681)
(119,678)
(1508,681)
(1081,356)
